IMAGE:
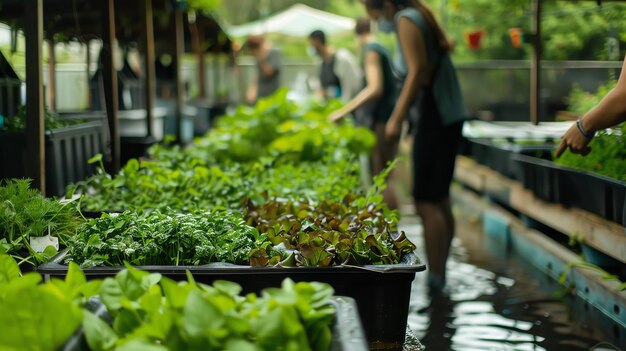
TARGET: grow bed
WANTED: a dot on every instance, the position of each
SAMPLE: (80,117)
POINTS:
(382,292)
(347,330)
(499,155)
(572,187)
(67,152)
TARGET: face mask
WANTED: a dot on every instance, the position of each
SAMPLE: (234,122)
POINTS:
(311,51)
(385,25)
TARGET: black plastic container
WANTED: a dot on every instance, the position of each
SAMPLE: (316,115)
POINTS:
(571,187)
(539,176)
(347,330)
(499,156)
(135,147)
(67,152)
(382,292)
(592,192)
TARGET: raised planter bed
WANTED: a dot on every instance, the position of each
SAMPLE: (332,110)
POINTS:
(348,334)
(67,152)
(499,155)
(588,191)
(382,292)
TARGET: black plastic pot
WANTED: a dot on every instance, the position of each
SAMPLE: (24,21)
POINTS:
(347,331)
(382,292)
(499,156)
(571,187)
(135,147)
(67,152)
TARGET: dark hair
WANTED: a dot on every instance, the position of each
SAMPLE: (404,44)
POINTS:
(318,35)
(429,16)
(363,26)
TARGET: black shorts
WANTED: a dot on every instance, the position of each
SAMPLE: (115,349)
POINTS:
(434,152)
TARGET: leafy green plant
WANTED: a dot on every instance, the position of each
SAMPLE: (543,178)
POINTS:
(17,123)
(151,312)
(164,239)
(581,102)
(188,183)
(25,213)
(40,317)
(329,233)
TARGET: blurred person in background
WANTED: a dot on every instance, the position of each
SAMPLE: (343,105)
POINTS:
(609,112)
(340,77)
(269,62)
(374,104)
(431,85)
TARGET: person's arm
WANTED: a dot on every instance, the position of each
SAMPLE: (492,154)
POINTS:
(412,43)
(373,90)
(609,112)
(252,92)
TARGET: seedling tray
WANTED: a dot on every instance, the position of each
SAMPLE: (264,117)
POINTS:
(348,334)
(382,292)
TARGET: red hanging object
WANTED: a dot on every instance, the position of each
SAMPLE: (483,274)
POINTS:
(517,37)
(474,39)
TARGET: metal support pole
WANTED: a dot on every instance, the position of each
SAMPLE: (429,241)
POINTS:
(535,71)
(33,30)
(109,75)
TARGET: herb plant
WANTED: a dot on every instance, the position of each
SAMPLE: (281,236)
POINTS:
(164,239)
(17,123)
(25,213)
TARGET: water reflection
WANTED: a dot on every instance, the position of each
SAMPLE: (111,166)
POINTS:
(499,302)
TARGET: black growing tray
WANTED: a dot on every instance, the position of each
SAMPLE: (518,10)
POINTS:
(67,152)
(499,156)
(347,330)
(382,292)
(571,187)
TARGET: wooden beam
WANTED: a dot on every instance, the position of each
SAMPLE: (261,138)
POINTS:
(178,52)
(535,70)
(33,30)
(149,61)
(52,101)
(109,75)
(597,232)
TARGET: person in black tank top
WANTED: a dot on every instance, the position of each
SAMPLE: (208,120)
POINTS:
(431,86)
(373,105)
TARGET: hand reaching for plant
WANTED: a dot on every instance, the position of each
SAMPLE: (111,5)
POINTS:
(336,116)
(575,140)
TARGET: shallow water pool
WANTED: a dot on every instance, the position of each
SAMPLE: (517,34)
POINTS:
(497,301)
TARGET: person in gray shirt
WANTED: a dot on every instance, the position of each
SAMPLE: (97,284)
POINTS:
(269,61)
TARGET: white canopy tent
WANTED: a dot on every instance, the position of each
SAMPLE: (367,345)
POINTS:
(298,20)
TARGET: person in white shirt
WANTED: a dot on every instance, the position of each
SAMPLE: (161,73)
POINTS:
(340,76)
